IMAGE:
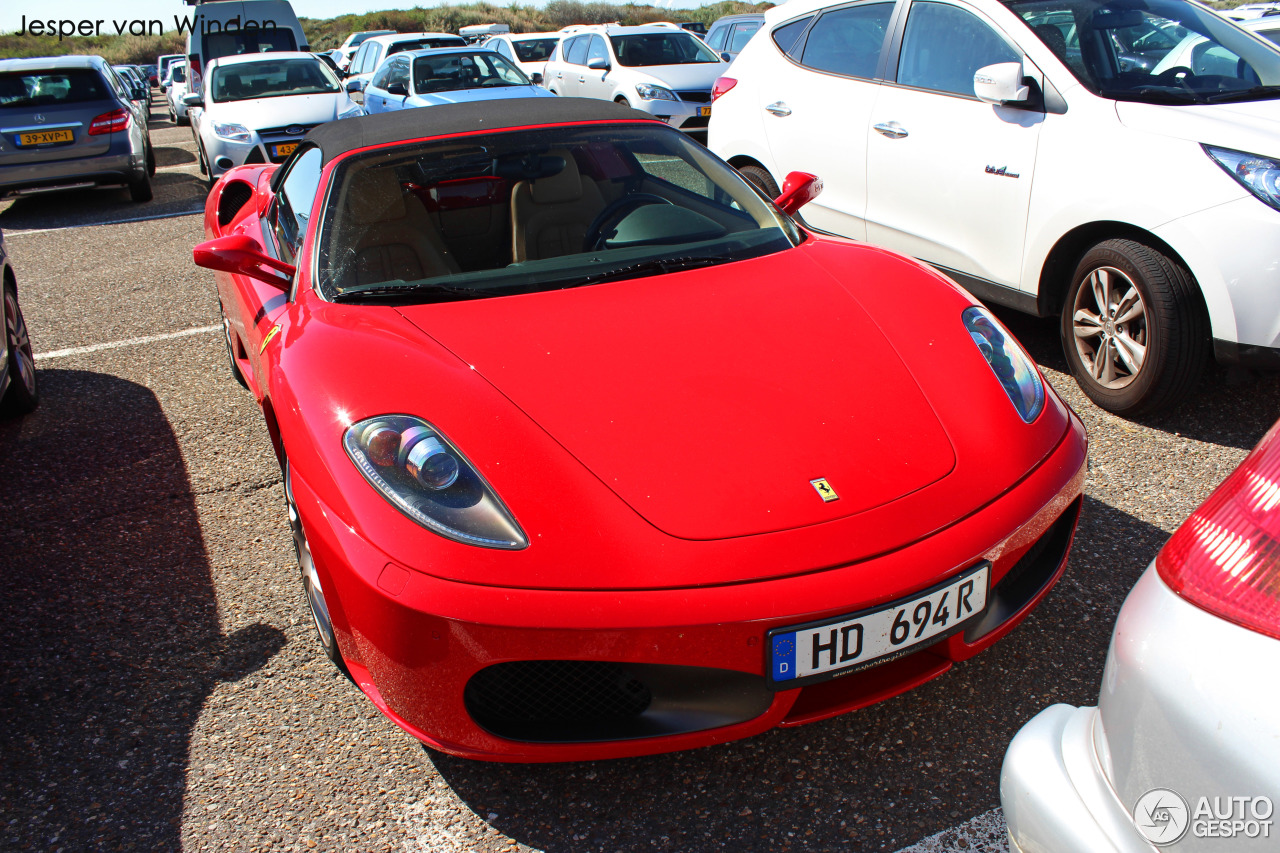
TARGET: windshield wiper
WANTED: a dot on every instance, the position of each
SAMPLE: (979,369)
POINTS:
(656,266)
(1258,92)
(400,289)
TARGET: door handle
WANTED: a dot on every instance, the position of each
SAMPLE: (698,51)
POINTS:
(779,109)
(891,129)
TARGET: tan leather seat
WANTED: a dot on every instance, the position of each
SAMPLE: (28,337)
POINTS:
(393,236)
(550,216)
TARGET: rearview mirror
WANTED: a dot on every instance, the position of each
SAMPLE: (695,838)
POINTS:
(1001,84)
(238,254)
(598,64)
(798,189)
(398,89)
(193,100)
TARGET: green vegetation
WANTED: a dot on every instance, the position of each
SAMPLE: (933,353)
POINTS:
(329,33)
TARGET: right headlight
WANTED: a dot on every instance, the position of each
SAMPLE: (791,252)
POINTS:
(652,93)
(1007,361)
(232,131)
(1259,175)
(423,475)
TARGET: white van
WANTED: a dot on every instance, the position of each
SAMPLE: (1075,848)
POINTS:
(233,27)
(480,32)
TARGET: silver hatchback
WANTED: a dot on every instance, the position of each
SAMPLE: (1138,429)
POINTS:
(68,122)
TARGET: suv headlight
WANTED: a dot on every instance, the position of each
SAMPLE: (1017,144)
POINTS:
(1259,175)
(425,477)
(655,93)
(233,132)
(1012,366)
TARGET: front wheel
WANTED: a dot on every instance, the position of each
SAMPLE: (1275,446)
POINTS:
(22,394)
(310,577)
(1133,328)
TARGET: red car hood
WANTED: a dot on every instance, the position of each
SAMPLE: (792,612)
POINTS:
(708,400)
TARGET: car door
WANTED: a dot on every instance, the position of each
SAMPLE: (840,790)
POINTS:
(376,98)
(568,70)
(595,82)
(948,176)
(818,105)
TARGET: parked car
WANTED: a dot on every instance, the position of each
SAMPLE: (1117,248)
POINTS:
(219,30)
(19,393)
(984,159)
(374,50)
(730,33)
(151,73)
(1187,708)
(663,71)
(1252,11)
(527,51)
(448,75)
(351,44)
(164,63)
(177,90)
(139,91)
(696,27)
(257,107)
(69,123)
(522,260)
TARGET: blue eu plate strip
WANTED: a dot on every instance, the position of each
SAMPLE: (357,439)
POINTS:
(784,657)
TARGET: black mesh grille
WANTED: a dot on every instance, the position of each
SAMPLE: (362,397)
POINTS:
(555,691)
(284,130)
(235,196)
(695,97)
(255,156)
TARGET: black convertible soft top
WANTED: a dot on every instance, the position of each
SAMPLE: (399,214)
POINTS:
(335,138)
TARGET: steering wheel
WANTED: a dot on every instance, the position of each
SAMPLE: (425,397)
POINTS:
(614,213)
(1170,76)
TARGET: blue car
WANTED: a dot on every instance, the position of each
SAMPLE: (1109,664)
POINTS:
(447,75)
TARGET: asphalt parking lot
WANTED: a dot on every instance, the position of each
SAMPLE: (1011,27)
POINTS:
(160,684)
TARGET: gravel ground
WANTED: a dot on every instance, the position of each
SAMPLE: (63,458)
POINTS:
(161,688)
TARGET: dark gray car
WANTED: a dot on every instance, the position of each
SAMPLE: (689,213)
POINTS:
(68,122)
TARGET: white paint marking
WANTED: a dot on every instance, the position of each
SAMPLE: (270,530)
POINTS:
(131,342)
(19,232)
(985,833)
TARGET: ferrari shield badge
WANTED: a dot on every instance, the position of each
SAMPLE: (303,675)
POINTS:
(824,490)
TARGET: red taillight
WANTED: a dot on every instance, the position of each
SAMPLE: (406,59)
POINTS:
(1225,558)
(112,122)
(722,85)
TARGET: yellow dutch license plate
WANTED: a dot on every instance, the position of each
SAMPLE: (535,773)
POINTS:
(286,149)
(704,111)
(45,137)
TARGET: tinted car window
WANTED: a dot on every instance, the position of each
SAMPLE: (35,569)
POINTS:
(742,34)
(637,51)
(23,89)
(945,45)
(422,44)
(576,54)
(237,42)
(453,71)
(715,38)
(848,41)
(596,50)
(787,36)
(535,50)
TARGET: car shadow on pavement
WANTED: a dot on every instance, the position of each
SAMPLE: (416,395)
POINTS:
(876,779)
(172,155)
(176,194)
(112,636)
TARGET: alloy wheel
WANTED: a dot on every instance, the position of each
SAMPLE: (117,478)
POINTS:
(1109,324)
(310,577)
(19,338)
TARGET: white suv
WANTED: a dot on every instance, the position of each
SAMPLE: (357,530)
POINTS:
(663,70)
(1043,154)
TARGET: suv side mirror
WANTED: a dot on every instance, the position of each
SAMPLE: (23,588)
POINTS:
(798,189)
(193,99)
(726,56)
(598,64)
(398,89)
(238,254)
(1001,84)
(536,79)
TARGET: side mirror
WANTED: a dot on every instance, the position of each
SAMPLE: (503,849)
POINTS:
(238,254)
(355,86)
(193,100)
(399,89)
(798,189)
(598,65)
(1001,84)
(536,79)
(726,56)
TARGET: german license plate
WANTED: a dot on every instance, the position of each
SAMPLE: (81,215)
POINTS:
(704,111)
(285,149)
(801,654)
(45,137)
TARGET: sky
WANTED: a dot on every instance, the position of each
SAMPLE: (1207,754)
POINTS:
(122,11)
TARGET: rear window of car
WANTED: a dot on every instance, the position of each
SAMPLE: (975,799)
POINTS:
(786,36)
(640,50)
(237,42)
(25,89)
(423,44)
(535,50)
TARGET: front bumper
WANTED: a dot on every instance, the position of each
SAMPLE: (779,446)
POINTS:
(427,651)
(1187,704)
(682,115)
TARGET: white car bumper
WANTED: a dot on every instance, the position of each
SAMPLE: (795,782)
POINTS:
(1188,704)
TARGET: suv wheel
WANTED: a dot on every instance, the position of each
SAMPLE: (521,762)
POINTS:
(1134,331)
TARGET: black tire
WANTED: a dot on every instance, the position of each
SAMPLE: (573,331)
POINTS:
(312,590)
(621,99)
(140,190)
(236,373)
(23,393)
(151,160)
(1166,325)
(760,176)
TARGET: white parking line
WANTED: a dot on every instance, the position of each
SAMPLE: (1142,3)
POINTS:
(985,833)
(131,342)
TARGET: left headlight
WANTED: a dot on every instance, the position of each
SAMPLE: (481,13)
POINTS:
(1259,175)
(424,476)
(1012,366)
(652,93)
(352,111)
(233,132)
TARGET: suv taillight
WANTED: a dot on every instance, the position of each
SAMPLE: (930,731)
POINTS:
(1225,558)
(722,85)
(112,122)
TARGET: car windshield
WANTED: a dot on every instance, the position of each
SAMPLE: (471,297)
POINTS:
(452,71)
(424,43)
(245,81)
(674,48)
(534,50)
(526,211)
(1154,51)
(23,89)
